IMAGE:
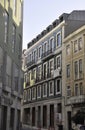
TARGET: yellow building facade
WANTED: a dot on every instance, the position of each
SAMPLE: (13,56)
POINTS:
(74,74)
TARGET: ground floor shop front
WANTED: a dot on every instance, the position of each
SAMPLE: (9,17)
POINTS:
(44,115)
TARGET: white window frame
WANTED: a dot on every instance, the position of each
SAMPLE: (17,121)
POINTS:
(56,86)
(46,89)
(46,68)
(30,75)
(51,94)
(34,97)
(25,95)
(57,63)
(57,41)
(79,72)
(40,91)
(39,56)
(76,46)
(52,66)
(77,87)
(35,57)
(52,43)
(35,72)
(46,46)
(80,41)
(40,74)
(29,98)
(68,70)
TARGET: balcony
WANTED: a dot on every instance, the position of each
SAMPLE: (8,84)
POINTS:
(76,99)
(48,54)
(31,64)
(44,77)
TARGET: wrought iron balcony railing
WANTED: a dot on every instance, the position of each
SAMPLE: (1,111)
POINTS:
(48,54)
(31,64)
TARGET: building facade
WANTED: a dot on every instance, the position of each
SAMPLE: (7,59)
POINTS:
(44,86)
(11,75)
(75,74)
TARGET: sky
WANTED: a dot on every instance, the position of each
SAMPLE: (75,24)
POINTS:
(38,14)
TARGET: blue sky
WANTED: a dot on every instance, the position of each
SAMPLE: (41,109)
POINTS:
(38,14)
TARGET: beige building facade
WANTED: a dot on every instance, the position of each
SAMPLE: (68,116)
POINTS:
(74,74)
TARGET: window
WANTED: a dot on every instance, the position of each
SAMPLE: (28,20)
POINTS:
(58,39)
(58,62)
(51,44)
(34,73)
(76,69)
(35,57)
(51,88)
(45,90)
(80,43)
(40,52)
(8,71)
(29,94)
(68,91)
(29,76)
(58,86)
(13,38)
(68,71)
(80,66)
(6,16)
(15,7)
(68,49)
(45,47)
(39,72)
(75,46)
(59,108)
(33,93)
(39,91)
(16,78)
(76,90)
(30,57)
(45,70)
(81,88)
(51,67)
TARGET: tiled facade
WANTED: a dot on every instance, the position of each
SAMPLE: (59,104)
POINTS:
(44,96)
(11,75)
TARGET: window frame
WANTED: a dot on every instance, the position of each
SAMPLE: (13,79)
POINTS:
(60,40)
(51,94)
(58,92)
(39,86)
(29,91)
(34,94)
(45,95)
(51,44)
(68,70)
